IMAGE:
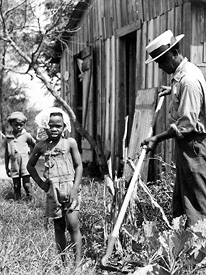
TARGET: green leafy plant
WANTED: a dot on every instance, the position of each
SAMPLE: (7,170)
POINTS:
(175,252)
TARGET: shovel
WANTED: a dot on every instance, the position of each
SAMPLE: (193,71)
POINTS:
(130,189)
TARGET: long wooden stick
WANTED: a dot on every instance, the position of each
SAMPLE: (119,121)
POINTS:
(123,209)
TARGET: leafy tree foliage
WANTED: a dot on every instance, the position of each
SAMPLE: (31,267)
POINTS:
(14,98)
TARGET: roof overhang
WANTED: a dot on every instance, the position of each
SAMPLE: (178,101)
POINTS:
(73,22)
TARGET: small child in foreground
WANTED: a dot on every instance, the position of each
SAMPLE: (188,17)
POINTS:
(63,174)
(17,149)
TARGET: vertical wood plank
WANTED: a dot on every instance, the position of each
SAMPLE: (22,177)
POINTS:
(178,21)
(138,59)
(111,18)
(130,11)
(107,18)
(202,30)
(139,9)
(103,90)
(124,12)
(115,24)
(157,4)
(99,17)
(99,80)
(149,67)
(146,16)
(161,7)
(117,92)
(102,18)
(107,120)
(143,56)
(186,28)
(152,9)
(134,11)
(204,52)
(204,23)
(96,12)
(119,14)
(79,41)
(171,20)
(155,65)
(113,99)
(171,4)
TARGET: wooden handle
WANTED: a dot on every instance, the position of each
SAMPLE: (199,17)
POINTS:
(123,209)
(109,250)
(130,189)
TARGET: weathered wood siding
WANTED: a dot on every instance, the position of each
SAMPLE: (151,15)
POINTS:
(117,31)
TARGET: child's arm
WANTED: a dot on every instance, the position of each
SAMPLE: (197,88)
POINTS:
(76,157)
(44,185)
(30,140)
(6,158)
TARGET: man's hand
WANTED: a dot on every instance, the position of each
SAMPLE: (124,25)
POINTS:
(151,143)
(164,90)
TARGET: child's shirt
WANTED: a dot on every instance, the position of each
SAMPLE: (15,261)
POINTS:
(19,144)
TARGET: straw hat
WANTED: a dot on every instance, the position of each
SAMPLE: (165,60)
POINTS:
(161,44)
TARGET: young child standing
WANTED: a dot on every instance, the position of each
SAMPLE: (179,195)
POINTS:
(63,174)
(17,150)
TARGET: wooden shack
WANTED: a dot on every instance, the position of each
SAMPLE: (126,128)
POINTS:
(103,63)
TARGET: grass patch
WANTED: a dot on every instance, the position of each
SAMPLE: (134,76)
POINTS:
(27,241)
(27,238)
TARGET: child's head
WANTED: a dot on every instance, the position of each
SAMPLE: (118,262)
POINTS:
(55,125)
(46,121)
(17,121)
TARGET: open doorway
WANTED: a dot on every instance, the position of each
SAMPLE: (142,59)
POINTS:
(130,65)
(127,82)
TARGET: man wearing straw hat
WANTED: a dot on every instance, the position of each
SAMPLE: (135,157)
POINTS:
(187,119)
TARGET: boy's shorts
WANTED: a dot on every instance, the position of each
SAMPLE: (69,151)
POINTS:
(56,202)
(18,165)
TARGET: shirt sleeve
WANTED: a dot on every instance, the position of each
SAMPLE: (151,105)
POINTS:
(190,102)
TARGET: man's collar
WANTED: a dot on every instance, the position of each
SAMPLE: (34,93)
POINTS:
(178,72)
